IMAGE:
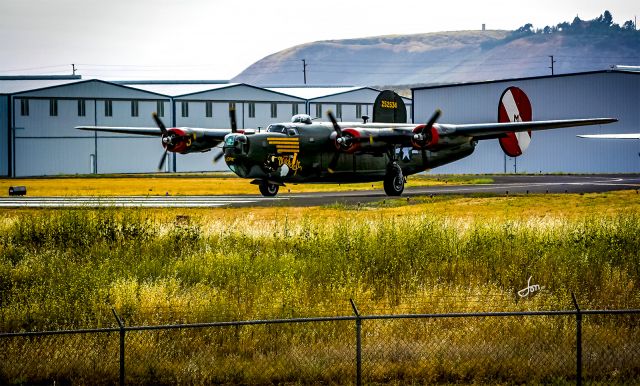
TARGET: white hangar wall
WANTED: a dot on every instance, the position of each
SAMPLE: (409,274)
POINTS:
(613,94)
(46,143)
(4,135)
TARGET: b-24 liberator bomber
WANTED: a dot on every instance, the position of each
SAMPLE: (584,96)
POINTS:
(387,149)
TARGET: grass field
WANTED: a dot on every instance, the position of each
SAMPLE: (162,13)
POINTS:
(67,268)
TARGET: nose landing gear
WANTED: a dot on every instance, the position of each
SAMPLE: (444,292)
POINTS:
(268,189)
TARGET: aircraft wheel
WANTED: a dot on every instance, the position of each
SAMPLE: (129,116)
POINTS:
(268,189)
(394,181)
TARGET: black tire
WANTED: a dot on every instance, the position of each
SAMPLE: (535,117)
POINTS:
(394,181)
(268,189)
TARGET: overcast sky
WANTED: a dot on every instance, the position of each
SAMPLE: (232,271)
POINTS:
(200,39)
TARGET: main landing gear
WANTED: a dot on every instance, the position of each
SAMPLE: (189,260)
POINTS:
(393,180)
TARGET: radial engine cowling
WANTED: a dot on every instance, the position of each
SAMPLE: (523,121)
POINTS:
(425,138)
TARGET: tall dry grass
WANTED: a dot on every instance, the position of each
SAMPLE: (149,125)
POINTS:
(68,268)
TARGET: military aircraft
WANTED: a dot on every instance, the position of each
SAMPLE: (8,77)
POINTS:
(387,149)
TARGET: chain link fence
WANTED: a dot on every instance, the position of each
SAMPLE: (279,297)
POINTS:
(516,347)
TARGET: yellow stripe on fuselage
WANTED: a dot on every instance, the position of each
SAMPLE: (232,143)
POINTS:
(280,141)
(285,145)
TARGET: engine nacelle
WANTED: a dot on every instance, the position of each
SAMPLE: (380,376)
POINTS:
(361,140)
(183,140)
(425,138)
(437,138)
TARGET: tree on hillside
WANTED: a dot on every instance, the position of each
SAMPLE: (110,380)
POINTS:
(602,24)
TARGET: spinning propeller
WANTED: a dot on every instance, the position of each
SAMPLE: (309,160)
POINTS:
(344,142)
(234,129)
(167,139)
(424,136)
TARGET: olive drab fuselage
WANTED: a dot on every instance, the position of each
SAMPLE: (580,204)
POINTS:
(298,152)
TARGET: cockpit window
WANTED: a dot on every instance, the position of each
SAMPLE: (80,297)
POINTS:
(277,129)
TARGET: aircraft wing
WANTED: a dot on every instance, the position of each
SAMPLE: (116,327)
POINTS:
(495,130)
(611,136)
(123,130)
(214,134)
(403,133)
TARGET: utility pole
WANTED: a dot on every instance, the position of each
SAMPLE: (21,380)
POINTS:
(304,70)
(552,61)
(73,68)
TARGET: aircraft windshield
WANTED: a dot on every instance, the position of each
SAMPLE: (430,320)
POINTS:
(277,129)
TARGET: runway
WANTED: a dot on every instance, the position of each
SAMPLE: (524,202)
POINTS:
(502,185)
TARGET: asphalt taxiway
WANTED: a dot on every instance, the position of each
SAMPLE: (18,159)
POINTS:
(502,185)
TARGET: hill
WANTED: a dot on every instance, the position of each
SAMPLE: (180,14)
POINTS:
(448,57)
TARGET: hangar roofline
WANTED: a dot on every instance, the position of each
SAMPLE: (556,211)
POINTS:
(159,81)
(231,85)
(87,81)
(523,78)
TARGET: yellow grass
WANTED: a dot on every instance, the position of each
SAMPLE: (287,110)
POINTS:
(187,184)
(532,207)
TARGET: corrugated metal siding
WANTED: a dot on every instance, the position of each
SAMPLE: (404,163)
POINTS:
(132,154)
(604,94)
(52,156)
(4,135)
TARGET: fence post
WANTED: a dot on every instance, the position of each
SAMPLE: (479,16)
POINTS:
(122,331)
(578,340)
(358,343)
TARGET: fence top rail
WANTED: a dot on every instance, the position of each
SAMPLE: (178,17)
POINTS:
(322,319)
(59,332)
(501,314)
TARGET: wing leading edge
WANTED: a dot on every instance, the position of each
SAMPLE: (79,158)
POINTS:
(123,130)
(493,130)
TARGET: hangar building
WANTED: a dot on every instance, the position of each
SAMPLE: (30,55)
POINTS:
(38,116)
(611,93)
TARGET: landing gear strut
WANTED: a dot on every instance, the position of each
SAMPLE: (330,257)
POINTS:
(268,189)
(393,180)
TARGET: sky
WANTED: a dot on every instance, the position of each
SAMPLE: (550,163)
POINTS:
(213,39)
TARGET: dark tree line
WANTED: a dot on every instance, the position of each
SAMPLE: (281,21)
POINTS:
(602,24)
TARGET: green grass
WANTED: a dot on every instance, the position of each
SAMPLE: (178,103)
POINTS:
(67,268)
(64,269)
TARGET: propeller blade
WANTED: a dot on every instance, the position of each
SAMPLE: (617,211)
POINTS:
(232,119)
(160,124)
(162,160)
(336,127)
(218,156)
(333,163)
(432,120)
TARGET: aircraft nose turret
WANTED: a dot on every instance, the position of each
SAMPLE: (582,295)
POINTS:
(236,144)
